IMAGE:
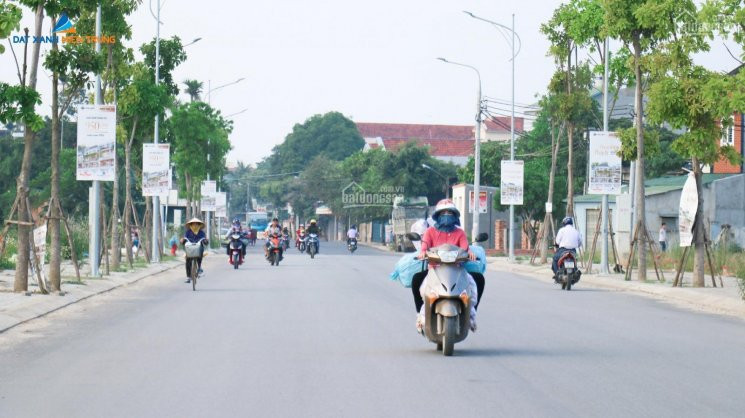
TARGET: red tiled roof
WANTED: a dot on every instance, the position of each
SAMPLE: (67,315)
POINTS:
(502,124)
(437,147)
(414,131)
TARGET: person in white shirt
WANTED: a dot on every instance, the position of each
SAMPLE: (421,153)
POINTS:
(567,239)
(352,233)
(420,227)
(663,237)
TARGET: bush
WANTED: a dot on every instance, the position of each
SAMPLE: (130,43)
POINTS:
(79,229)
(7,262)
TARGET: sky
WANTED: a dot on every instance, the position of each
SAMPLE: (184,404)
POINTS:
(373,61)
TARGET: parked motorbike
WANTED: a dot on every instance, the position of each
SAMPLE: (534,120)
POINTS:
(568,273)
(312,245)
(274,254)
(235,247)
(352,245)
(445,291)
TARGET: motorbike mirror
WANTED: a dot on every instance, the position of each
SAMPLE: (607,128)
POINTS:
(413,236)
(482,237)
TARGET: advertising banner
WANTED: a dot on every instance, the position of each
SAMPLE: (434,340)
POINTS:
(687,211)
(482,202)
(605,164)
(209,190)
(221,205)
(511,184)
(96,149)
(156,179)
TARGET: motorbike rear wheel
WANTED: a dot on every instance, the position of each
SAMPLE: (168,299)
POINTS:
(569,282)
(448,335)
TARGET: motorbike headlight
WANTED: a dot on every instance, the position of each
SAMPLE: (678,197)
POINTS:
(448,256)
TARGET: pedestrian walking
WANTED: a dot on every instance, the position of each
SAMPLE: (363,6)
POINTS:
(135,243)
(663,237)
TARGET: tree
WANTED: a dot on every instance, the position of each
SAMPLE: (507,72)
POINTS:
(171,55)
(640,25)
(194,130)
(193,89)
(331,135)
(689,96)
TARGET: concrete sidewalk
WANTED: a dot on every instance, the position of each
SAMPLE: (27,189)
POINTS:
(724,301)
(18,308)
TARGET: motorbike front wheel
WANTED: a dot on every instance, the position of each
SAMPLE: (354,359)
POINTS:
(449,326)
(236,260)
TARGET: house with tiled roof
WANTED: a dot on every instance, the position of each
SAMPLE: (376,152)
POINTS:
(498,128)
(451,143)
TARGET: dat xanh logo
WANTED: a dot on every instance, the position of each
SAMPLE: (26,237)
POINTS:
(64,31)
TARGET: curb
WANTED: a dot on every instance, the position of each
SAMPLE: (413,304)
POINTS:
(161,268)
(687,298)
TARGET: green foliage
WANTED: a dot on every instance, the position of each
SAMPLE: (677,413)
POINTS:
(17,104)
(171,55)
(330,135)
(10,16)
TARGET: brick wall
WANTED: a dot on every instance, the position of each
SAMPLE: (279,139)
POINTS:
(499,235)
(723,166)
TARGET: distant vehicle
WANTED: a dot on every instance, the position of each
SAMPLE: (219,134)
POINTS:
(258,221)
(406,211)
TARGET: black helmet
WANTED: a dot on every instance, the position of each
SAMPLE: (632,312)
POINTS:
(354,226)
(567,221)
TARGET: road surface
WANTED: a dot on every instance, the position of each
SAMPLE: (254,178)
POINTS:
(334,337)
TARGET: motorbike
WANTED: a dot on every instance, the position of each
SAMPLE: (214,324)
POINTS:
(285,241)
(312,245)
(352,245)
(235,247)
(568,273)
(274,255)
(446,295)
(302,242)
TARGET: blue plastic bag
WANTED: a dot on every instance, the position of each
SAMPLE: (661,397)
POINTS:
(478,266)
(407,267)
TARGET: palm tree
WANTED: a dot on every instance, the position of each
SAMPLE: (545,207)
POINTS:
(193,89)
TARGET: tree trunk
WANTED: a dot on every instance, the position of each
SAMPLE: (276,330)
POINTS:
(116,248)
(128,206)
(187,177)
(55,261)
(20,283)
(699,232)
(639,120)
(555,145)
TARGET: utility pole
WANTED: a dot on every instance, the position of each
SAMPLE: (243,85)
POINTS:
(94,205)
(155,254)
(604,208)
(512,146)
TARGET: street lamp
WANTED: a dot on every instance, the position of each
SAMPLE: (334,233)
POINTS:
(192,42)
(499,27)
(237,113)
(447,179)
(209,102)
(477,153)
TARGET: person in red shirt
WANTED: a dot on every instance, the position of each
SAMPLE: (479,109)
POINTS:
(445,231)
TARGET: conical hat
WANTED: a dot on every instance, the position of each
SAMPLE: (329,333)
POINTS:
(194,221)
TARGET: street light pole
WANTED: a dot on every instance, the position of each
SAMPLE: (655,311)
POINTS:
(476,154)
(155,243)
(94,208)
(511,226)
(604,206)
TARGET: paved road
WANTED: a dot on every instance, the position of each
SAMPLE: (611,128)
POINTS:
(334,337)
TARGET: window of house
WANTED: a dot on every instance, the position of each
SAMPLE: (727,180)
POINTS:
(728,136)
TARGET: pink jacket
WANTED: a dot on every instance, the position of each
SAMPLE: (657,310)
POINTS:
(434,237)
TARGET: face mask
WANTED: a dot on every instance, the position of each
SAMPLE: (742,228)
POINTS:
(446,222)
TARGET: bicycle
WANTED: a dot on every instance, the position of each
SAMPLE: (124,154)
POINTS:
(193,252)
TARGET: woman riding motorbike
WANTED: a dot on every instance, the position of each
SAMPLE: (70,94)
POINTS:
(445,231)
